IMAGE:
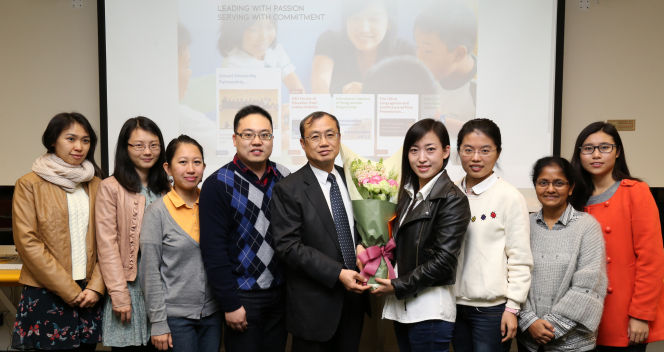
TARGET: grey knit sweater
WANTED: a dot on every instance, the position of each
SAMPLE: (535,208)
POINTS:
(568,284)
(172,275)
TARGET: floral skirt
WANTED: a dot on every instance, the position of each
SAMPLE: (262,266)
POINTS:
(44,321)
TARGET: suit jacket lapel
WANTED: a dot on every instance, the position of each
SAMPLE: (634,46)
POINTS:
(317,198)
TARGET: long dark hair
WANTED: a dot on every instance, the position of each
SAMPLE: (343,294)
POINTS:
(125,170)
(64,120)
(563,165)
(584,183)
(414,134)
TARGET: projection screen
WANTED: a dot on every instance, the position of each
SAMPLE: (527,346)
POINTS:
(378,66)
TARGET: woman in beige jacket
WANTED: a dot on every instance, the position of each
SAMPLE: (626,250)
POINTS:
(137,181)
(54,231)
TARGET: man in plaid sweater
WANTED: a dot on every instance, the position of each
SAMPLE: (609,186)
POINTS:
(236,238)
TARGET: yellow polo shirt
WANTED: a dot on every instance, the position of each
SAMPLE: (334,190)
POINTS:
(183,215)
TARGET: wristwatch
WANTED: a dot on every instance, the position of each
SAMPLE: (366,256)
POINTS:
(513,311)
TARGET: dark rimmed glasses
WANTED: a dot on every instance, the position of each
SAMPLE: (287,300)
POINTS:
(603,148)
(251,136)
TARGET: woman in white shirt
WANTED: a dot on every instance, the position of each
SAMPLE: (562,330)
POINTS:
(493,277)
(432,218)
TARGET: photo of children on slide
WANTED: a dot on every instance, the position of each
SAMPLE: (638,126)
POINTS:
(334,48)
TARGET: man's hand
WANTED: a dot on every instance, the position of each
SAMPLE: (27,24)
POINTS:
(90,298)
(359,249)
(508,325)
(541,331)
(349,279)
(124,313)
(237,320)
(385,288)
(637,330)
(162,342)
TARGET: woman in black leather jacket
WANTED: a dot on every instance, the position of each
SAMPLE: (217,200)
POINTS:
(432,218)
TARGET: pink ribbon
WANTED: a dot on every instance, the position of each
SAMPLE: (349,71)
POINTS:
(371,259)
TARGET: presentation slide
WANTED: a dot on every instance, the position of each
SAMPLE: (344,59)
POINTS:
(378,66)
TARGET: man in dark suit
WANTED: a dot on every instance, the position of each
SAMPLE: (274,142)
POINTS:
(313,227)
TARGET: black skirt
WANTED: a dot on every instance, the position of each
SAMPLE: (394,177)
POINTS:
(44,321)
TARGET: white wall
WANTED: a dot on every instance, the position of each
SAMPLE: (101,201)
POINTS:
(613,70)
(48,64)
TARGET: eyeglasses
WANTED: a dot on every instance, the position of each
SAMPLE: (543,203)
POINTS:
(471,152)
(141,147)
(556,184)
(603,148)
(330,136)
(251,136)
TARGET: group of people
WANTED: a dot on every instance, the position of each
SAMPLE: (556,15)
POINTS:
(145,259)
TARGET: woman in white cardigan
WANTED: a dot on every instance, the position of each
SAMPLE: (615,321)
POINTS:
(493,277)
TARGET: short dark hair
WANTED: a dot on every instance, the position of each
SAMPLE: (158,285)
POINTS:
(585,185)
(562,164)
(414,134)
(315,116)
(125,170)
(249,110)
(484,126)
(453,22)
(399,75)
(64,120)
(232,31)
(175,143)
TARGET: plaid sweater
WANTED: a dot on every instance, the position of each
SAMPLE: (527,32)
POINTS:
(236,236)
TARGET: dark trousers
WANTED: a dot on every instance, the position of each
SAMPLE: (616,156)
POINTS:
(348,334)
(424,336)
(196,335)
(266,323)
(477,329)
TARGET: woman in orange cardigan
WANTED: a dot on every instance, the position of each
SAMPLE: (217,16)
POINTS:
(634,305)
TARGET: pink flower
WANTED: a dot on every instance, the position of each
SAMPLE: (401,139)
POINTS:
(393,183)
(366,180)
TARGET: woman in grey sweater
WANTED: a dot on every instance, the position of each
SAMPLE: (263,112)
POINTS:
(183,313)
(569,281)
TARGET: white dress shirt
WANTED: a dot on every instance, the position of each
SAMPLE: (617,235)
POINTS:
(325,186)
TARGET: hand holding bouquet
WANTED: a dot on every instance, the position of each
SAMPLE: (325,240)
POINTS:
(374,198)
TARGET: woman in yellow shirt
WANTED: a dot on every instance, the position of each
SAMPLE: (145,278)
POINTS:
(180,304)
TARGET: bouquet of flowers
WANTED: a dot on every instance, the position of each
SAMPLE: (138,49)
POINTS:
(374,196)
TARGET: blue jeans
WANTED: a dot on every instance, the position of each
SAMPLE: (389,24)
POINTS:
(477,329)
(266,323)
(424,336)
(196,335)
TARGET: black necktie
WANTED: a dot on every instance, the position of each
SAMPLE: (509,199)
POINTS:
(341,223)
